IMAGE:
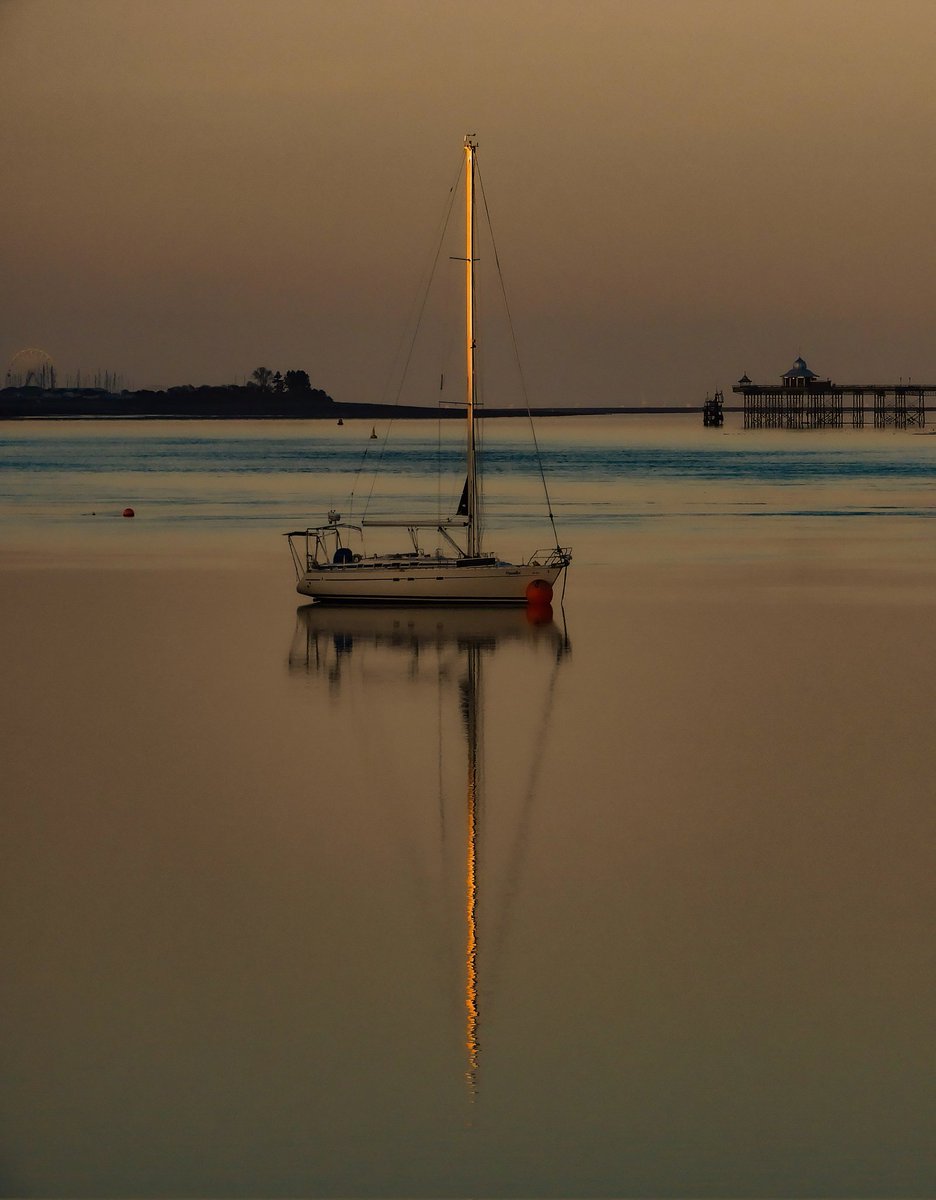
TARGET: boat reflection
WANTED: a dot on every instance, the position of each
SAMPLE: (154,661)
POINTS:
(326,636)
(432,645)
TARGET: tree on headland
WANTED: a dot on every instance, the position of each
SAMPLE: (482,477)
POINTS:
(278,384)
(262,377)
(298,381)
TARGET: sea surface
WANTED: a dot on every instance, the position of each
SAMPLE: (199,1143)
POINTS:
(633,898)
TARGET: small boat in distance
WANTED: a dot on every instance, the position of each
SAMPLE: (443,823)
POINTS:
(329,569)
(373,433)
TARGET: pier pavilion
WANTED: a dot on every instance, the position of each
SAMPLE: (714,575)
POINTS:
(802,400)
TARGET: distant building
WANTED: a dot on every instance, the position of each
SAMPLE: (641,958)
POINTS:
(800,376)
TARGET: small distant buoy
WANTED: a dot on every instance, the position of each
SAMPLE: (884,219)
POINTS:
(539,592)
(128,512)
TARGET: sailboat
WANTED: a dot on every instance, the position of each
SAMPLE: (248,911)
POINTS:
(329,569)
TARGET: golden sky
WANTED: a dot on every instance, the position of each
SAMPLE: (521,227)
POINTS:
(682,190)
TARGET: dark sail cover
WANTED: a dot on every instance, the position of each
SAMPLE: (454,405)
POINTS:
(462,510)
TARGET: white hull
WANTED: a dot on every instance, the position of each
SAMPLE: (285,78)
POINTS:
(424,583)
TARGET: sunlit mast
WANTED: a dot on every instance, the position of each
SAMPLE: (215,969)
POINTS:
(474,531)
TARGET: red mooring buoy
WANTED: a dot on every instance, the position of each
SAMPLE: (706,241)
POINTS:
(539,614)
(128,512)
(538,592)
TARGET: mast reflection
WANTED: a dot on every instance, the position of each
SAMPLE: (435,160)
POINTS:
(381,643)
(471,716)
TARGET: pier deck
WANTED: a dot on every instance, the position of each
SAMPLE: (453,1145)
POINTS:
(821,404)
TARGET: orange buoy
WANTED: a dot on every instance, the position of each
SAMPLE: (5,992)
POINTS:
(538,591)
(128,512)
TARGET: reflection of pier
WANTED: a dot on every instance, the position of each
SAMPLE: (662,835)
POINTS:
(804,401)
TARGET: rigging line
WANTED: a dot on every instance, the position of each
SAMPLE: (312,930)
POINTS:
(516,350)
(479,381)
(420,311)
(446,368)
(439,420)
(517,853)
(441,774)
(419,301)
(374,473)
(355,483)
(480,507)
(421,308)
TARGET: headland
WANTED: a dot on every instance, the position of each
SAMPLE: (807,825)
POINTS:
(238,402)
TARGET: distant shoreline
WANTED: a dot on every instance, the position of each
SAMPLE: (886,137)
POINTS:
(250,404)
(247,404)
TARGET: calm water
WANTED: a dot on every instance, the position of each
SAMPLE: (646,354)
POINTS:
(636,901)
(655,479)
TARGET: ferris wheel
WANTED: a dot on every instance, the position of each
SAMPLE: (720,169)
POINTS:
(31,368)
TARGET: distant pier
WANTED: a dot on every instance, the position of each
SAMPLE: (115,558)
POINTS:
(713,411)
(804,401)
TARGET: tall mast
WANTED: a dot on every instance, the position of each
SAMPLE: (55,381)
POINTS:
(472,484)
